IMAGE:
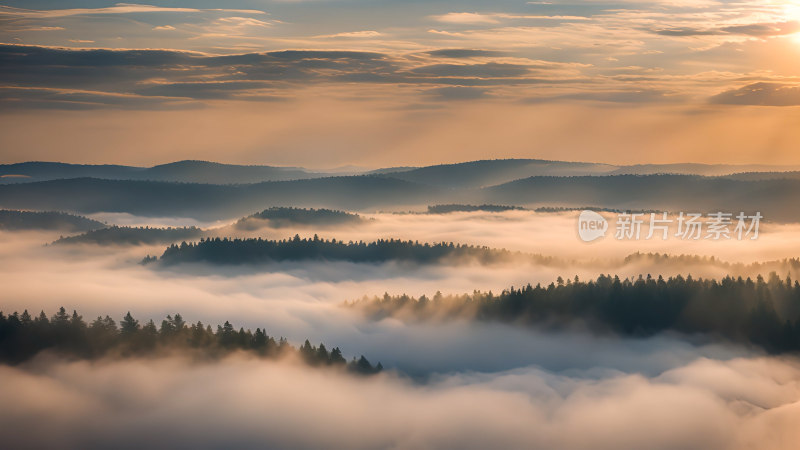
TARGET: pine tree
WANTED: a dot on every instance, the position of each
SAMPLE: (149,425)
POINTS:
(129,326)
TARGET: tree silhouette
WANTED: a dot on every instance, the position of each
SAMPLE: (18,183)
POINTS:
(22,337)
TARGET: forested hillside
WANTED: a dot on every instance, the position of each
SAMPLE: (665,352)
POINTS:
(760,312)
(257,250)
(116,235)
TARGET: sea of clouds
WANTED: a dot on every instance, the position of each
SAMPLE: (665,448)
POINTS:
(459,384)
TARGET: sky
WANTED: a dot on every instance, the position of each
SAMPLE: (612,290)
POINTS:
(377,83)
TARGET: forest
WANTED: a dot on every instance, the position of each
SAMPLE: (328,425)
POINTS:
(23,336)
(762,312)
(116,235)
(256,250)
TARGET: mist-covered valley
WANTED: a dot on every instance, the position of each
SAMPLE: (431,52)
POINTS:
(291,224)
(482,325)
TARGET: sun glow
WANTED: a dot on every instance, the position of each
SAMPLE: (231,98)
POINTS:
(792,14)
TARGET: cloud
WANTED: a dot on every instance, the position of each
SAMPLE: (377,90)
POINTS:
(466,18)
(686,31)
(755,30)
(595,38)
(458,93)
(576,390)
(761,94)
(632,96)
(245,403)
(35,28)
(203,90)
(477,385)
(44,98)
(171,74)
(487,70)
(464,53)
(764,29)
(119,8)
(351,34)
(233,26)
(119,73)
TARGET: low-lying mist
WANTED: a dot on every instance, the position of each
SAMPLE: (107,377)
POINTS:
(296,300)
(454,384)
(242,402)
(550,234)
(299,301)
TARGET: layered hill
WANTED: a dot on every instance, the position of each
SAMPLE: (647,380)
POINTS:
(180,171)
(496,182)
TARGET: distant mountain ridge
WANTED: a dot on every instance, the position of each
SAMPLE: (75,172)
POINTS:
(483,173)
(470,174)
(46,220)
(210,201)
(189,171)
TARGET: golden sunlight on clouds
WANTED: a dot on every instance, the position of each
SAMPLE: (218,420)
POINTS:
(647,82)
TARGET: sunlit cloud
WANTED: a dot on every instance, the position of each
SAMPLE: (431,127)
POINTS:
(471,18)
(738,403)
(762,94)
(352,34)
(642,54)
(35,28)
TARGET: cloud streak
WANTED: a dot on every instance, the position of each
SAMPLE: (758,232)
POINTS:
(760,94)
(119,8)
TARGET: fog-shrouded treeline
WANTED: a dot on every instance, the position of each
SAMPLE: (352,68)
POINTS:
(561,209)
(229,250)
(255,250)
(279,217)
(786,265)
(23,336)
(761,312)
(116,235)
(450,208)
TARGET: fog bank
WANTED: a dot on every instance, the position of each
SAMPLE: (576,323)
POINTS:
(246,403)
